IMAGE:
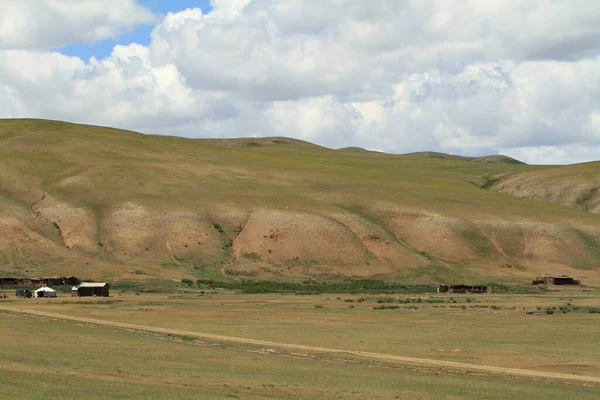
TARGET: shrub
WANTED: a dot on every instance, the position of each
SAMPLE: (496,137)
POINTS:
(319,306)
(188,282)
(549,311)
(313,287)
(384,307)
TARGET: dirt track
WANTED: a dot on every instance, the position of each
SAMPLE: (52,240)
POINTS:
(378,356)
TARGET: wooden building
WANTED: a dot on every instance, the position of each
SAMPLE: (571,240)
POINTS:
(555,280)
(462,289)
(99,289)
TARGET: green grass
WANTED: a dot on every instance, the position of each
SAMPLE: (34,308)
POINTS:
(492,330)
(127,366)
(112,363)
(349,286)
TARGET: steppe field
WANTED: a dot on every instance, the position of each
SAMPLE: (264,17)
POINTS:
(210,344)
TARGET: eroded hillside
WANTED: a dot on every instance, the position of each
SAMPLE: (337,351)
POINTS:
(576,186)
(102,203)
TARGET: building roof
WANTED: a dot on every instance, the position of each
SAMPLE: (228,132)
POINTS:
(93,284)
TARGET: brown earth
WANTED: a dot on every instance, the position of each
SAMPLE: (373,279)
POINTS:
(100,203)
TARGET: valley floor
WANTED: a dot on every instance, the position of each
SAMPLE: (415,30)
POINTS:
(226,345)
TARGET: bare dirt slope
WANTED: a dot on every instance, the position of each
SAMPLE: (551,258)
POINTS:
(102,203)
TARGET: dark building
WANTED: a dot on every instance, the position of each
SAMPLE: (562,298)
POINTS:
(99,289)
(555,280)
(462,289)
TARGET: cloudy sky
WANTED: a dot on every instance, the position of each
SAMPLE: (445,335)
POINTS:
(468,77)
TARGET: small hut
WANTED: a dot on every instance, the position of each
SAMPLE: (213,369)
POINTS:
(100,289)
(462,289)
(555,280)
(45,291)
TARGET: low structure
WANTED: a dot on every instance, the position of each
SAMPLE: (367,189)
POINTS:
(462,289)
(54,281)
(45,292)
(100,289)
(555,280)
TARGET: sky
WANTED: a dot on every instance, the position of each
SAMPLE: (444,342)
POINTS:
(468,77)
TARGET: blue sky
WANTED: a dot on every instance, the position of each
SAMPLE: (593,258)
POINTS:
(140,35)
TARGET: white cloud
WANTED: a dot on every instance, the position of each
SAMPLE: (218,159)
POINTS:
(45,24)
(466,77)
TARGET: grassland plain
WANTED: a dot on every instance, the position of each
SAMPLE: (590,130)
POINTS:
(108,204)
(486,330)
(71,359)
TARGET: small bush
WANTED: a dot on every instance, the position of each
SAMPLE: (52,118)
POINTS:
(319,306)
(549,311)
(384,307)
(349,301)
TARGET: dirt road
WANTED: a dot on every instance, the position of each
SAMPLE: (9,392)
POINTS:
(313,349)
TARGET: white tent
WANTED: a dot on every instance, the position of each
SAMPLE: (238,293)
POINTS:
(45,292)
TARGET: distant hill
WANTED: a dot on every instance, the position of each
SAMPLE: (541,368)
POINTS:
(497,159)
(103,203)
(258,142)
(431,155)
(576,186)
(353,150)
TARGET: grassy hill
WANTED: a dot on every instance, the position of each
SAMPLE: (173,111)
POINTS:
(105,203)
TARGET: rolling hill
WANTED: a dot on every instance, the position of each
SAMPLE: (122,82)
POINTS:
(575,186)
(104,203)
